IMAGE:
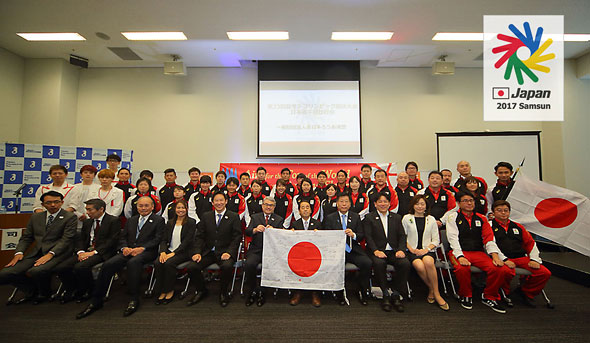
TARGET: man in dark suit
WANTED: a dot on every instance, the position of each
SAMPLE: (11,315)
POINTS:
(258,223)
(53,233)
(97,243)
(386,243)
(350,222)
(138,246)
(217,240)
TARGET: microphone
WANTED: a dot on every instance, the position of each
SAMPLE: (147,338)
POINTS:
(20,189)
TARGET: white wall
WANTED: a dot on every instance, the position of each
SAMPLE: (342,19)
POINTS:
(12,68)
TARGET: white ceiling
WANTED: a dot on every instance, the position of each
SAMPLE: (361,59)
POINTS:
(309,22)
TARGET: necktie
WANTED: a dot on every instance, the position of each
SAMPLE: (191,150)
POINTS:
(266,219)
(348,248)
(141,222)
(218,219)
(50,220)
(306,224)
(96,227)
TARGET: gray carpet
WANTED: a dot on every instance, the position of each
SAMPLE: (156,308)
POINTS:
(277,321)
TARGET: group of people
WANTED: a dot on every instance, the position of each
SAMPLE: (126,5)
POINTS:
(117,224)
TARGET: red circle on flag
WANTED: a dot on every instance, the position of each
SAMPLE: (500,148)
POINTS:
(501,93)
(556,212)
(304,259)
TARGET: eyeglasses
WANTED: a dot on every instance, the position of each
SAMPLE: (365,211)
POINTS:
(467,201)
(268,204)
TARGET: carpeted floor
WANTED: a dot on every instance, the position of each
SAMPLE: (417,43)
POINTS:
(277,321)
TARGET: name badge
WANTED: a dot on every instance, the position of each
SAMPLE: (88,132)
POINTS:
(311,202)
(362,200)
(259,202)
(411,194)
(333,204)
(237,200)
(443,198)
(287,203)
(481,201)
(516,231)
(477,223)
(419,186)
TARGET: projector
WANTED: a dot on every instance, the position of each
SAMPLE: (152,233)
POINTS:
(443,68)
(174,68)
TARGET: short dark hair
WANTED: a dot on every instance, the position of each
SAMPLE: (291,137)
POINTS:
(503,164)
(178,187)
(205,179)
(232,180)
(144,179)
(97,204)
(303,201)
(435,172)
(380,171)
(169,170)
(172,220)
(386,195)
(127,169)
(52,194)
(411,163)
(499,203)
(220,193)
(321,172)
(415,200)
(256,181)
(221,172)
(58,167)
(286,170)
(305,179)
(114,157)
(301,176)
(442,170)
(342,171)
(260,168)
(194,169)
(279,182)
(366,166)
(245,174)
(146,172)
(346,195)
(461,195)
(332,186)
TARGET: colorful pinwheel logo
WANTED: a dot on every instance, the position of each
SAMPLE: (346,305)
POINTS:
(515,63)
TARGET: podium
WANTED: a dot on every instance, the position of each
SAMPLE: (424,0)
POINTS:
(11,221)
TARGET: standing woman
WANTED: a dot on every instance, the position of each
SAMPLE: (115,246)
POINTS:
(306,194)
(144,188)
(175,249)
(341,178)
(481,203)
(112,196)
(360,201)
(329,204)
(423,239)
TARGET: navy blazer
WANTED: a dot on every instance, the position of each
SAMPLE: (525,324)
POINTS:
(107,237)
(256,244)
(225,238)
(375,234)
(149,236)
(333,222)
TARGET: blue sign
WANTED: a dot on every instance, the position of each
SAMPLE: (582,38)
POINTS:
(29,191)
(33,164)
(50,151)
(15,150)
(84,153)
(13,177)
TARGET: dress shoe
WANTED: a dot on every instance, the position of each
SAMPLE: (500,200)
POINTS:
(167,301)
(386,305)
(40,299)
(159,301)
(223,299)
(90,309)
(24,299)
(66,296)
(131,308)
(397,304)
(199,295)
(316,301)
(364,298)
(83,297)
(251,298)
(261,300)
(295,299)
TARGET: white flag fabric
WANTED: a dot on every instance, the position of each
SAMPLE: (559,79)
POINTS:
(552,212)
(312,260)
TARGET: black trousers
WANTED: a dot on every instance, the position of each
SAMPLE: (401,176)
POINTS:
(402,268)
(77,275)
(165,273)
(363,262)
(134,266)
(253,259)
(29,278)
(195,270)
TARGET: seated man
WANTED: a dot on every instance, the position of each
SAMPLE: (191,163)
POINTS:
(97,243)
(217,241)
(518,249)
(386,243)
(350,222)
(472,241)
(138,246)
(53,233)
(258,223)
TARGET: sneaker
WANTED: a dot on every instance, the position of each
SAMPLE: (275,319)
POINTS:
(508,301)
(466,303)
(493,305)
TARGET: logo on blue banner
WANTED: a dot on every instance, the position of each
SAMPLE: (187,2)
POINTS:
(84,153)
(13,177)
(15,150)
(29,191)
(69,164)
(50,151)
(33,164)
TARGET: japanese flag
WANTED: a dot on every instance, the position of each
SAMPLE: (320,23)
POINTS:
(312,260)
(555,213)
(500,93)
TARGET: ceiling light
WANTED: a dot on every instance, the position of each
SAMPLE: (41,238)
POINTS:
(459,36)
(57,36)
(258,35)
(576,37)
(362,35)
(154,35)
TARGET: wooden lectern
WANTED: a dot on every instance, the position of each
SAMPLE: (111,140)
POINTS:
(11,221)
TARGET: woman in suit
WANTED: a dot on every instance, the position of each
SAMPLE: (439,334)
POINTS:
(175,249)
(422,233)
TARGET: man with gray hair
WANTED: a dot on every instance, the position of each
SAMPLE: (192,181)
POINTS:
(258,224)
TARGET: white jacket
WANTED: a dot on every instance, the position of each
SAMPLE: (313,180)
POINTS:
(430,235)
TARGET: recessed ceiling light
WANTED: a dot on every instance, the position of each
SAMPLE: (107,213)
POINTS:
(576,37)
(362,35)
(55,36)
(258,35)
(154,35)
(459,36)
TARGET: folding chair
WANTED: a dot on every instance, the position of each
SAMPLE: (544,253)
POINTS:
(444,264)
(523,273)
(391,269)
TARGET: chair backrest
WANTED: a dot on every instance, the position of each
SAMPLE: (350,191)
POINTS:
(444,240)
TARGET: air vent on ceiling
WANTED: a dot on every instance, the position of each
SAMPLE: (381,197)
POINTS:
(125,54)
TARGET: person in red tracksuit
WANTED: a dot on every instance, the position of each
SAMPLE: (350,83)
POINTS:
(405,192)
(447,176)
(320,189)
(236,202)
(284,203)
(341,180)
(261,177)
(360,201)
(412,170)
(518,249)
(464,169)
(472,243)
(220,177)
(481,203)
(309,196)
(166,193)
(244,188)
(366,182)
(440,201)
(381,187)
(193,186)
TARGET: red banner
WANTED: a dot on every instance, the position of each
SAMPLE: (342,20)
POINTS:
(273,170)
